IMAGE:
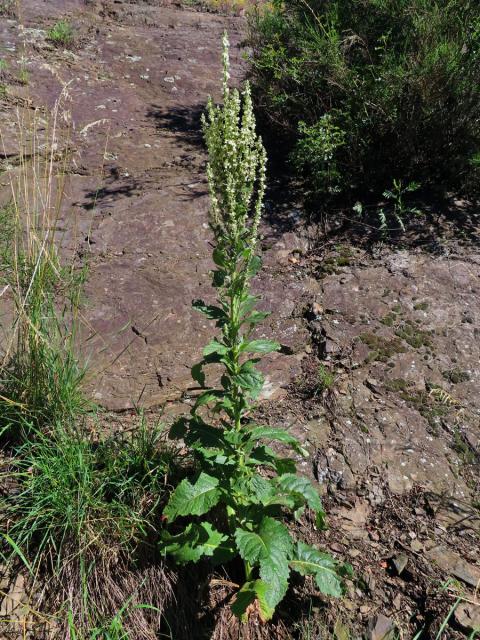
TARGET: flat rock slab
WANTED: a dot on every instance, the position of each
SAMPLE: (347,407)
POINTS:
(454,565)
(136,198)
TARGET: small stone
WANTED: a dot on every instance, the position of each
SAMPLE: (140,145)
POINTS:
(416,546)
(400,562)
(468,616)
(354,553)
(381,628)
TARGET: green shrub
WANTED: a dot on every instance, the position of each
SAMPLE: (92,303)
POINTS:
(235,504)
(367,91)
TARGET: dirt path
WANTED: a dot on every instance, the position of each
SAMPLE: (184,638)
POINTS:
(395,439)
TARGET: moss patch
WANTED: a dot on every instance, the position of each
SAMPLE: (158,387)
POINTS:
(382,349)
(421,306)
(414,336)
(455,376)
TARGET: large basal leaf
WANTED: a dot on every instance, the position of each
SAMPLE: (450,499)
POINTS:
(274,572)
(260,346)
(268,541)
(197,541)
(310,561)
(253,592)
(193,499)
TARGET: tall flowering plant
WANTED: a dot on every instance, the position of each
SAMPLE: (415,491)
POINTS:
(236,503)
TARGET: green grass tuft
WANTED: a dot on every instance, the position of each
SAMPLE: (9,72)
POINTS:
(61,34)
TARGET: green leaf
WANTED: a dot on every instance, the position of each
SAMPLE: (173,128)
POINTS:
(263,455)
(219,257)
(249,378)
(310,561)
(292,483)
(274,572)
(280,435)
(251,591)
(285,465)
(206,397)
(183,547)
(256,317)
(215,347)
(260,346)
(270,547)
(193,499)
(254,266)
(271,539)
(262,488)
(197,541)
(216,545)
(218,280)
(244,598)
(248,304)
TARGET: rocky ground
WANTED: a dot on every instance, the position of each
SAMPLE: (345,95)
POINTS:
(379,367)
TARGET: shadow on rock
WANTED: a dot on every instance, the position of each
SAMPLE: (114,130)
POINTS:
(184,122)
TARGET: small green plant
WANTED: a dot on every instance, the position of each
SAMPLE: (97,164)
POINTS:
(61,34)
(325,378)
(23,76)
(315,153)
(398,209)
(242,488)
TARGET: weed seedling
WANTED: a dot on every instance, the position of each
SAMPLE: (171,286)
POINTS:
(61,34)
(398,209)
(235,503)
